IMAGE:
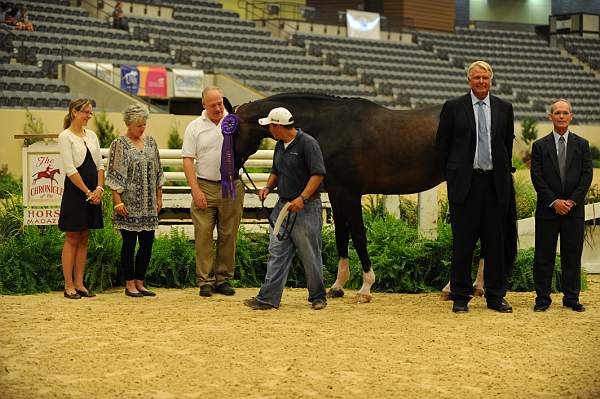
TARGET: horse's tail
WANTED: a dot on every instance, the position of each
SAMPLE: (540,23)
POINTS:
(512,235)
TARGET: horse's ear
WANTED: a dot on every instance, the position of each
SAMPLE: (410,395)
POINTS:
(228,105)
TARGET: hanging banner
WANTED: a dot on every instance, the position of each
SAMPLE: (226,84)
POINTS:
(130,79)
(153,81)
(102,71)
(188,83)
(362,24)
(43,183)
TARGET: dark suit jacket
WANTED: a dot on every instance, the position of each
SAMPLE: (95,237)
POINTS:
(545,174)
(456,139)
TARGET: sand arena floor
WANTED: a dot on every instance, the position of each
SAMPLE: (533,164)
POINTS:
(179,345)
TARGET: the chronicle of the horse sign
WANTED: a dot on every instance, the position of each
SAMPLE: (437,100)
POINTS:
(43,183)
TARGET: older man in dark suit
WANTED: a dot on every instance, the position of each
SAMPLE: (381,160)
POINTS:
(475,140)
(561,172)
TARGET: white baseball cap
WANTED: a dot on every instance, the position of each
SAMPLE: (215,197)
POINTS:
(278,116)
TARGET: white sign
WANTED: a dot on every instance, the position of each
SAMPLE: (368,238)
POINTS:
(362,24)
(102,71)
(562,24)
(188,83)
(43,183)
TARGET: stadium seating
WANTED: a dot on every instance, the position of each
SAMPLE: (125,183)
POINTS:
(204,35)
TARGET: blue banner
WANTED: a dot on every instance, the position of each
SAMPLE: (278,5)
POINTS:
(130,79)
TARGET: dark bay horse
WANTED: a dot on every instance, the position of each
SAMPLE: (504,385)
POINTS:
(367,149)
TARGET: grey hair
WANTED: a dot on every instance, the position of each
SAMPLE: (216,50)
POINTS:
(560,100)
(211,88)
(480,64)
(135,112)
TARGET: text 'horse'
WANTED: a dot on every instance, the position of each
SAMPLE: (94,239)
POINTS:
(367,149)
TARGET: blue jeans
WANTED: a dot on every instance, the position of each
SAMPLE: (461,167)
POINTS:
(305,238)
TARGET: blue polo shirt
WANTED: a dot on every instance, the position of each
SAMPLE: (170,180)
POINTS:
(295,164)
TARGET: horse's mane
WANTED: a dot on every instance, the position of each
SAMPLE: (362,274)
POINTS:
(312,96)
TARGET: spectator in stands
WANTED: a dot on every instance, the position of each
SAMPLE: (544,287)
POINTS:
(10,15)
(119,19)
(203,143)
(22,20)
(81,206)
(298,171)
(135,177)
(476,159)
(561,173)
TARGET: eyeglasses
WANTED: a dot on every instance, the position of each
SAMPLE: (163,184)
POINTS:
(561,113)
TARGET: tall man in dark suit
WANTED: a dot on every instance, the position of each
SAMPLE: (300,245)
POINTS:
(561,172)
(475,140)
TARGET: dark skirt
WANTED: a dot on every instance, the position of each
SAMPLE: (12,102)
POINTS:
(76,214)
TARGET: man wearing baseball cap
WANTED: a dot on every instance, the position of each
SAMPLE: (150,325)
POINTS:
(298,171)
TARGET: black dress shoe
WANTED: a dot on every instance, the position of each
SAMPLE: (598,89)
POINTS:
(577,307)
(500,305)
(147,293)
(225,289)
(460,307)
(206,290)
(72,296)
(86,294)
(133,294)
(541,307)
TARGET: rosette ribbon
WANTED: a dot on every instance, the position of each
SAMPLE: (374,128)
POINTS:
(229,126)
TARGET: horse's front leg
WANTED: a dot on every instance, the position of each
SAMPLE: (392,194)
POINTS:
(359,238)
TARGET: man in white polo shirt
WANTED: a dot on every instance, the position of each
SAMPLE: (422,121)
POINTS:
(202,142)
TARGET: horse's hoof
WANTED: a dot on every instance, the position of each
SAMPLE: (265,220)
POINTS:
(335,293)
(445,296)
(363,298)
(478,292)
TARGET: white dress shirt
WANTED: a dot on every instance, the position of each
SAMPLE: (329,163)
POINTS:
(74,148)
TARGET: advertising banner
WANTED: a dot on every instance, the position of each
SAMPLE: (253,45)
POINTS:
(130,79)
(362,24)
(102,71)
(43,183)
(153,81)
(188,83)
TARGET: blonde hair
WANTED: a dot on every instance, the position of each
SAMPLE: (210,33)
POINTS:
(76,105)
(482,65)
(135,112)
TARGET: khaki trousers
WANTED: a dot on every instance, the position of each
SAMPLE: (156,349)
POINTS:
(225,214)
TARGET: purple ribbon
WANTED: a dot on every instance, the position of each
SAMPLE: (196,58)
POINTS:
(229,125)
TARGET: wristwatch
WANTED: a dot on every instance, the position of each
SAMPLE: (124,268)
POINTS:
(304,199)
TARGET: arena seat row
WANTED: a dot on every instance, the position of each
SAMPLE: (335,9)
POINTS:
(587,49)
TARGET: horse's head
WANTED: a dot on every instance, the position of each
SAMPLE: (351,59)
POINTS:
(250,133)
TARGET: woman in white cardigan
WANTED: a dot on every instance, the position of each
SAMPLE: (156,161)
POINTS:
(81,206)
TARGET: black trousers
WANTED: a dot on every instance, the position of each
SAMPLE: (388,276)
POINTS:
(480,217)
(136,270)
(547,231)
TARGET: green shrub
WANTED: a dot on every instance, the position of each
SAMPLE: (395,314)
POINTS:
(522,279)
(175,141)
(9,184)
(173,261)
(105,129)
(525,196)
